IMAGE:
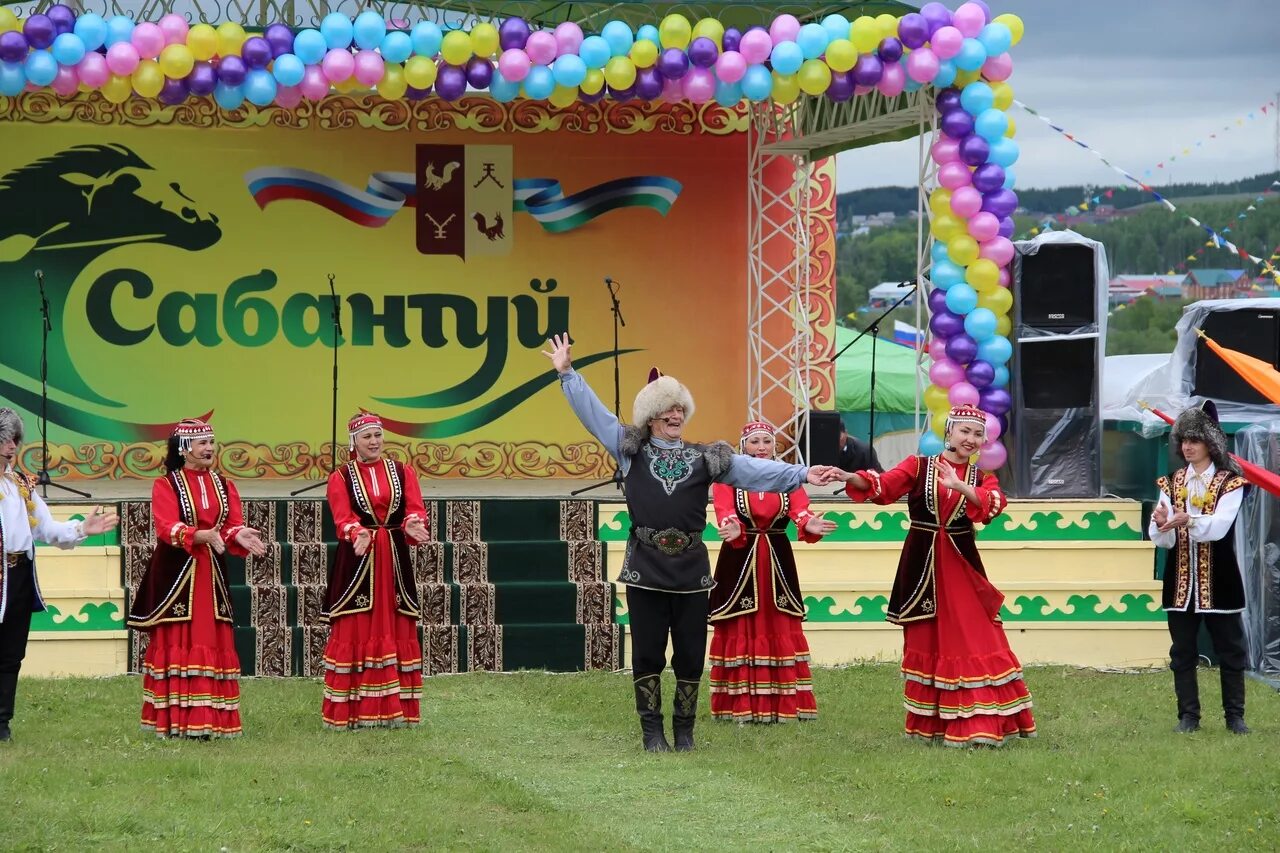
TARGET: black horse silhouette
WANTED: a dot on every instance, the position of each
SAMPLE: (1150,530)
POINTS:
(60,213)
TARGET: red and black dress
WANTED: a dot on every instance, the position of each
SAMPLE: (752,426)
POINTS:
(190,672)
(759,656)
(963,683)
(373,660)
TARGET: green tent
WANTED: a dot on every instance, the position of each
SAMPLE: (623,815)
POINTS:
(895,375)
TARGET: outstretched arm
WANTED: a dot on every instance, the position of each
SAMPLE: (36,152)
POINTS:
(598,420)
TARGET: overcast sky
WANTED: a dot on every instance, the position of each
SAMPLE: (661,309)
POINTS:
(1137,80)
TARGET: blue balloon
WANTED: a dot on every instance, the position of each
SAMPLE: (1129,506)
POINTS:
(1009,179)
(946,75)
(837,27)
(912,85)
(369,30)
(812,40)
(728,94)
(92,29)
(595,51)
(1002,377)
(288,69)
(1004,152)
(961,298)
(310,47)
(991,124)
(971,56)
(618,36)
(787,57)
(503,90)
(649,33)
(40,67)
(930,444)
(977,98)
(757,83)
(228,97)
(119,28)
(980,323)
(68,49)
(426,38)
(569,70)
(396,46)
(540,83)
(12,78)
(337,30)
(259,87)
(996,38)
(947,274)
(938,251)
(996,350)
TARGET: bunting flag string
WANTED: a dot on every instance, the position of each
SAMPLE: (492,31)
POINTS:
(1252,115)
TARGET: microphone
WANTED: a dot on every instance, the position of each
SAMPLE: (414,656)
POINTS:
(608,281)
(40,275)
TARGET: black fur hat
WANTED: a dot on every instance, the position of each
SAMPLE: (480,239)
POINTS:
(1201,424)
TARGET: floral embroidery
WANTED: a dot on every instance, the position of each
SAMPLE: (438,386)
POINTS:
(362,601)
(671,467)
(748,602)
(179,610)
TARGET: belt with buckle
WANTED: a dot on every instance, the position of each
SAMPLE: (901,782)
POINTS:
(12,558)
(669,541)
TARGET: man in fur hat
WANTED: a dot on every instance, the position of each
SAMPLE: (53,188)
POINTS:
(24,520)
(666,569)
(1195,519)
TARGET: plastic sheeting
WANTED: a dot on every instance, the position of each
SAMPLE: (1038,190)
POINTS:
(1258,549)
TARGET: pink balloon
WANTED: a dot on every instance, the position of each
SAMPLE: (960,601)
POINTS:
(314,85)
(998,68)
(860,89)
(369,67)
(893,80)
(148,39)
(568,38)
(993,427)
(947,150)
(992,457)
(700,85)
(514,65)
(954,175)
(997,249)
(983,226)
(922,65)
(672,92)
(1003,278)
(944,373)
(946,42)
(965,202)
(541,47)
(969,19)
(175,29)
(288,96)
(122,58)
(962,394)
(784,28)
(755,46)
(937,348)
(93,70)
(338,65)
(66,82)
(731,66)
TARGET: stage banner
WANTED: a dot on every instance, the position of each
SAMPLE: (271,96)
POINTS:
(187,273)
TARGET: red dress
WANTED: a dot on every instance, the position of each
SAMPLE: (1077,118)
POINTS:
(759,656)
(190,671)
(373,659)
(963,684)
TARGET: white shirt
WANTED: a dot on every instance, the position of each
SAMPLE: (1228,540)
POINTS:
(1202,528)
(19,537)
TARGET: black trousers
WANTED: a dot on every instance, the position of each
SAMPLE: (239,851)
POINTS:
(14,631)
(1225,629)
(655,616)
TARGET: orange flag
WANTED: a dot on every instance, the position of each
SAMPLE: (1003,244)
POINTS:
(1255,371)
(1256,474)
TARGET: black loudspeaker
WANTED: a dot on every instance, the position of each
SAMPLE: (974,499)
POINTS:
(1252,331)
(1060,455)
(1058,374)
(823,433)
(1056,287)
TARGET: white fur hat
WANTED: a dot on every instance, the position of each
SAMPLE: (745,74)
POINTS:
(661,394)
(10,425)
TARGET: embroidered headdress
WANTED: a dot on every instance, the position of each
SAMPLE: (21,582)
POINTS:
(190,429)
(10,425)
(1201,424)
(753,428)
(661,394)
(966,414)
(362,422)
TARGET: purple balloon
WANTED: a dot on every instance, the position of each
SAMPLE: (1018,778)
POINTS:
(703,52)
(64,20)
(890,50)
(974,150)
(945,325)
(961,349)
(731,39)
(13,46)
(280,37)
(937,300)
(913,29)
(1002,202)
(986,10)
(937,15)
(649,84)
(39,31)
(948,99)
(513,33)
(957,124)
(416,94)
(994,400)
(842,85)
(988,177)
(231,70)
(256,52)
(593,99)
(868,70)
(622,94)
(451,82)
(1006,228)
(1004,424)
(202,80)
(173,92)
(673,63)
(479,72)
(980,374)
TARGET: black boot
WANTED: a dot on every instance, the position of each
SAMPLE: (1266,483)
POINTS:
(685,714)
(1233,701)
(1188,693)
(649,707)
(8,690)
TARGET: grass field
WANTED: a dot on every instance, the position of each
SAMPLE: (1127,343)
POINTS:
(535,761)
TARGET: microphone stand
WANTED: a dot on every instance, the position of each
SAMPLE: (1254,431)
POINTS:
(43,480)
(333,409)
(616,308)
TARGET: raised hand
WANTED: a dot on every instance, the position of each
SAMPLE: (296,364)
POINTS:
(948,480)
(1174,521)
(819,526)
(251,540)
(729,529)
(417,530)
(559,354)
(100,521)
(1160,516)
(821,475)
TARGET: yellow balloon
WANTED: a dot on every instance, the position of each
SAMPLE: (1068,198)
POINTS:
(938,423)
(393,85)
(964,78)
(935,399)
(593,82)
(176,61)
(786,88)
(1013,22)
(1003,324)
(563,96)
(620,72)
(8,21)
(962,249)
(203,41)
(644,53)
(675,31)
(814,76)
(888,25)
(946,226)
(841,55)
(419,72)
(712,29)
(230,37)
(865,34)
(348,86)
(997,300)
(117,89)
(1012,130)
(456,47)
(147,78)
(940,201)
(484,39)
(983,274)
(1003,95)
